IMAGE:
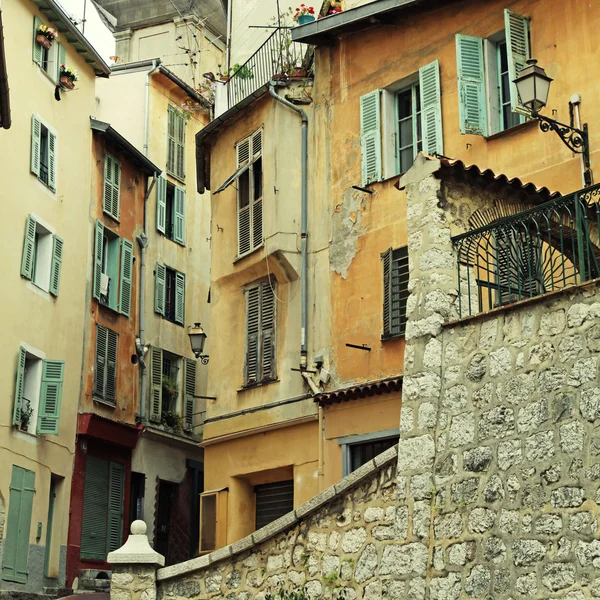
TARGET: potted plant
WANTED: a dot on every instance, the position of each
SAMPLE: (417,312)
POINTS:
(224,74)
(243,72)
(304,14)
(45,35)
(68,77)
(26,412)
(170,391)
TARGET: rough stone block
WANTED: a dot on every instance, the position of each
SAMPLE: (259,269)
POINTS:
(552,323)
(416,453)
(404,559)
(539,446)
(567,497)
(558,576)
(500,362)
(527,552)
(462,429)
(498,422)
(477,459)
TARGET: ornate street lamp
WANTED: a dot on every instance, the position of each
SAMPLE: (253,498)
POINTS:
(533,86)
(197,339)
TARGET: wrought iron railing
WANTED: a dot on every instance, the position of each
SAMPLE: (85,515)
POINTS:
(278,57)
(543,249)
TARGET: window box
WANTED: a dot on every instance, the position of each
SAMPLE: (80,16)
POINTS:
(43,41)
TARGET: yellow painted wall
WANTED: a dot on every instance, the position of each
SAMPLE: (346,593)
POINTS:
(32,316)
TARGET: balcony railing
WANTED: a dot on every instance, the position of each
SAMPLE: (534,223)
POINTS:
(277,57)
(543,249)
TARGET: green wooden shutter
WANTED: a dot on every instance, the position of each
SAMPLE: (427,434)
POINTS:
(180,146)
(179,229)
(126,277)
(400,279)
(156,359)
(161,203)
(52,147)
(16,545)
(257,223)
(431,108)
(28,259)
(19,385)
(36,134)
(517,49)
(36,48)
(179,298)
(111,366)
(98,249)
(160,288)
(56,265)
(189,380)
(53,372)
(100,370)
(112,186)
(61,54)
(370,136)
(116,492)
(471,85)
(252,335)
(268,331)
(171,151)
(95,509)
(386,261)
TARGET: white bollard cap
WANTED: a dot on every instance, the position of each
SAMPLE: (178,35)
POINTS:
(136,550)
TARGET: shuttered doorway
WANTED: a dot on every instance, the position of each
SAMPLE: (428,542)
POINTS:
(273,500)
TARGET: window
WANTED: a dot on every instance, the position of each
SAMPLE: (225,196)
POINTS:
(176,144)
(399,121)
(105,374)
(360,449)
(42,256)
(167,404)
(170,210)
(273,500)
(395,291)
(103,498)
(112,186)
(38,394)
(488,98)
(260,364)
(249,194)
(169,294)
(213,520)
(48,59)
(43,152)
(18,526)
(113,270)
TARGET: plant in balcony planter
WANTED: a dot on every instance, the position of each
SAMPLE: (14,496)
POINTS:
(224,74)
(68,77)
(45,35)
(243,72)
(304,14)
(26,412)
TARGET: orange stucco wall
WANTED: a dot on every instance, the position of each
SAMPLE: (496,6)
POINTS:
(129,225)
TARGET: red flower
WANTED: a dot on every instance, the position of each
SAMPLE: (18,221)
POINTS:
(311,10)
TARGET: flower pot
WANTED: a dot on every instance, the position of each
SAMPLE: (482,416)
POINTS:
(43,41)
(224,78)
(67,82)
(298,73)
(304,19)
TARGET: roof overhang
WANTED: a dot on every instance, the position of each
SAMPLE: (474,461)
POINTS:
(128,149)
(66,27)
(360,390)
(4,95)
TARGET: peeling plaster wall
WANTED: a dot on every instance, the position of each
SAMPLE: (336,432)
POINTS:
(346,231)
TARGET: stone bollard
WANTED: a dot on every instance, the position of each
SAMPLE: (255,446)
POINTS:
(134,567)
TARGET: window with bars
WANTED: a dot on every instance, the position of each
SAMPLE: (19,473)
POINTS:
(176,144)
(260,363)
(395,291)
(105,373)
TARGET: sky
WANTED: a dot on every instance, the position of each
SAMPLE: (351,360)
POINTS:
(95,31)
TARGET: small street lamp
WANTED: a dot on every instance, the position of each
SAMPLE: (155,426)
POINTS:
(197,339)
(533,86)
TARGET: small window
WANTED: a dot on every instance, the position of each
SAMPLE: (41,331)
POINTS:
(395,291)
(110,269)
(213,520)
(364,452)
(169,294)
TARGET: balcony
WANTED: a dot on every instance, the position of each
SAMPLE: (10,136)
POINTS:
(544,249)
(278,58)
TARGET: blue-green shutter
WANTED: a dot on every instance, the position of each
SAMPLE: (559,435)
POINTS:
(517,48)
(52,166)
(179,298)
(19,385)
(56,265)
(100,368)
(431,108)
(370,136)
(28,259)
(112,186)
(156,359)
(61,58)
(98,249)
(116,491)
(179,216)
(50,396)
(180,123)
(36,135)
(18,524)
(36,54)
(471,85)
(95,508)
(386,261)
(126,277)
(189,383)
(160,283)
(171,151)
(161,203)
(111,366)
(251,367)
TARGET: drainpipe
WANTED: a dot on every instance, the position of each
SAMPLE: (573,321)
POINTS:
(304,227)
(149,74)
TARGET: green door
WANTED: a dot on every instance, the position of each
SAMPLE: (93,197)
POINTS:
(16,545)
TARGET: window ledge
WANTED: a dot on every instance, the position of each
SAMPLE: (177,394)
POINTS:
(390,337)
(113,218)
(253,386)
(170,321)
(507,132)
(107,307)
(104,402)
(181,179)
(46,74)
(240,258)
(46,185)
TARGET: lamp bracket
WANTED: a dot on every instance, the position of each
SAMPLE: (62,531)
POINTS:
(574,139)
(203,358)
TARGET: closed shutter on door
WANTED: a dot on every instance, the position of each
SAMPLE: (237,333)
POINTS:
(273,500)
(116,491)
(95,507)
